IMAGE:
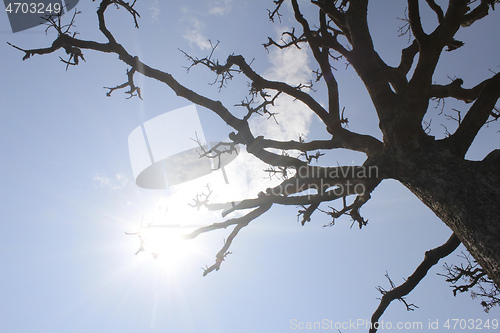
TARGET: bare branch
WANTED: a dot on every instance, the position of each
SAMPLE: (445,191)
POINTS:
(479,12)
(407,57)
(133,91)
(118,3)
(275,12)
(351,210)
(201,199)
(263,107)
(363,143)
(477,115)
(240,223)
(473,276)
(431,258)
(336,14)
(405,29)
(409,307)
(322,57)
(320,185)
(455,90)
(415,22)
(432,45)
(216,152)
(293,41)
(437,9)
(223,73)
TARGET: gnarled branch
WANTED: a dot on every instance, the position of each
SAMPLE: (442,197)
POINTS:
(431,258)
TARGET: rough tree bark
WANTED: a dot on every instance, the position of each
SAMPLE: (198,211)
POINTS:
(464,195)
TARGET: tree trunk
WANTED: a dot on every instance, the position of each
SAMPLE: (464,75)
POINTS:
(465,195)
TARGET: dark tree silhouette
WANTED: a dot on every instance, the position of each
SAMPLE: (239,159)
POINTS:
(464,194)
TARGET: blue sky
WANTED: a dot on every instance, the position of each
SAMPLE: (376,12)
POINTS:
(68,194)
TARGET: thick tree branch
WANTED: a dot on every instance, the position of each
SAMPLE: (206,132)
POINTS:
(477,116)
(479,12)
(374,72)
(437,9)
(407,56)
(336,14)
(432,45)
(302,146)
(368,144)
(328,184)
(298,200)
(431,258)
(455,90)
(119,3)
(415,21)
(347,140)
(320,42)
(259,83)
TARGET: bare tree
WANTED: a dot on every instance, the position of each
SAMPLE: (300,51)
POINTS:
(464,194)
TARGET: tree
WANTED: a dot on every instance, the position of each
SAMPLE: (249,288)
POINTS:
(463,194)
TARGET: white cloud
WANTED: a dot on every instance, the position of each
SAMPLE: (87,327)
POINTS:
(117,182)
(155,10)
(289,65)
(194,33)
(220,7)
(246,173)
(195,27)
(294,118)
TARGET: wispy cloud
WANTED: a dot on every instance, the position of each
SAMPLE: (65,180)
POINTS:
(117,182)
(289,65)
(194,20)
(220,7)
(194,33)
(246,173)
(155,10)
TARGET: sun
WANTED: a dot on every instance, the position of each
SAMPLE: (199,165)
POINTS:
(162,234)
(168,245)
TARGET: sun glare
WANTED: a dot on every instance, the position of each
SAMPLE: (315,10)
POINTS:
(168,246)
(161,234)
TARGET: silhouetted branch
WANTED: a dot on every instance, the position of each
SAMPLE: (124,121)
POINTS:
(293,41)
(275,11)
(473,276)
(437,9)
(479,12)
(133,91)
(223,73)
(455,90)
(239,223)
(477,115)
(322,56)
(407,57)
(262,107)
(201,199)
(431,258)
(216,152)
(415,21)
